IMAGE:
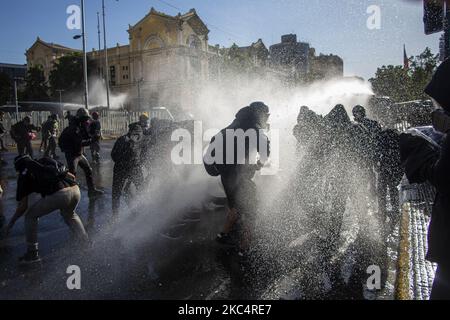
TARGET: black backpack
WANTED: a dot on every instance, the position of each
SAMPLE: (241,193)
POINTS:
(63,141)
(52,175)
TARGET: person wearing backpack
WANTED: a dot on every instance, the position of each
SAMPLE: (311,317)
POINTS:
(72,141)
(23,133)
(59,191)
(126,155)
(237,173)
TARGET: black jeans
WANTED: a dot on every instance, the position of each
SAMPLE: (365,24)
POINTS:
(441,284)
(73,161)
(24,147)
(121,175)
(240,191)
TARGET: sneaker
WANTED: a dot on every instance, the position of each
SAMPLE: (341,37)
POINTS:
(30,257)
(94,193)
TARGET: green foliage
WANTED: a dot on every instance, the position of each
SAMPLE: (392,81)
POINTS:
(67,74)
(35,85)
(6,89)
(406,85)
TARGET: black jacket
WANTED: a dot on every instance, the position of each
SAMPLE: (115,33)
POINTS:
(425,162)
(246,119)
(73,139)
(21,131)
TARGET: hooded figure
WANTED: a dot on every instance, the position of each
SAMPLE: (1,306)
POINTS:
(428,161)
(126,155)
(245,137)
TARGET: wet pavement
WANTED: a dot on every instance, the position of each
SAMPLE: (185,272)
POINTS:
(177,258)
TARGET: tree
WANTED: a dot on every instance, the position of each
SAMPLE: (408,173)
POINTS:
(406,84)
(6,89)
(67,74)
(421,71)
(35,84)
(392,81)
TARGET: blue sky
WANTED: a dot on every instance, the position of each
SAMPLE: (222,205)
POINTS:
(331,26)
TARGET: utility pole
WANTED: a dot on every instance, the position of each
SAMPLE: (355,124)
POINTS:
(60,96)
(106,56)
(86,85)
(99,33)
(16,98)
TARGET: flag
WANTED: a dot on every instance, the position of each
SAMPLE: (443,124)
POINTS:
(405,59)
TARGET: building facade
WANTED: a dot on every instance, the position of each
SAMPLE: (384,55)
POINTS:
(166,58)
(45,54)
(13,70)
(290,55)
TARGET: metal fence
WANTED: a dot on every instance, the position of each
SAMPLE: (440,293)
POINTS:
(114,123)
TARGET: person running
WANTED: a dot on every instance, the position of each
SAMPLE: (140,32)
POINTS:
(59,191)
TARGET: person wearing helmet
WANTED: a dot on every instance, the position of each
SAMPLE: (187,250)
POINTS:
(430,161)
(23,132)
(59,191)
(144,122)
(72,141)
(95,131)
(237,173)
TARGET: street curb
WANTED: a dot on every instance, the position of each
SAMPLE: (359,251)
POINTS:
(402,284)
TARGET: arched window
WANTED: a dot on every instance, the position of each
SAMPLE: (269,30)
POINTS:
(194,42)
(153,42)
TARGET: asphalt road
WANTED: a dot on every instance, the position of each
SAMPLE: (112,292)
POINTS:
(150,256)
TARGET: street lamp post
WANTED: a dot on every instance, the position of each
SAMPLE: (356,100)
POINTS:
(83,31)
(16,97)
(106,73)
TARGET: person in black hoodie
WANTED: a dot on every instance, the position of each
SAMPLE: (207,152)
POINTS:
(425,161)
(126,154)
(237,172)
(72,141)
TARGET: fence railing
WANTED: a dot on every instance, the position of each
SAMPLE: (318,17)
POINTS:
(114,123)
